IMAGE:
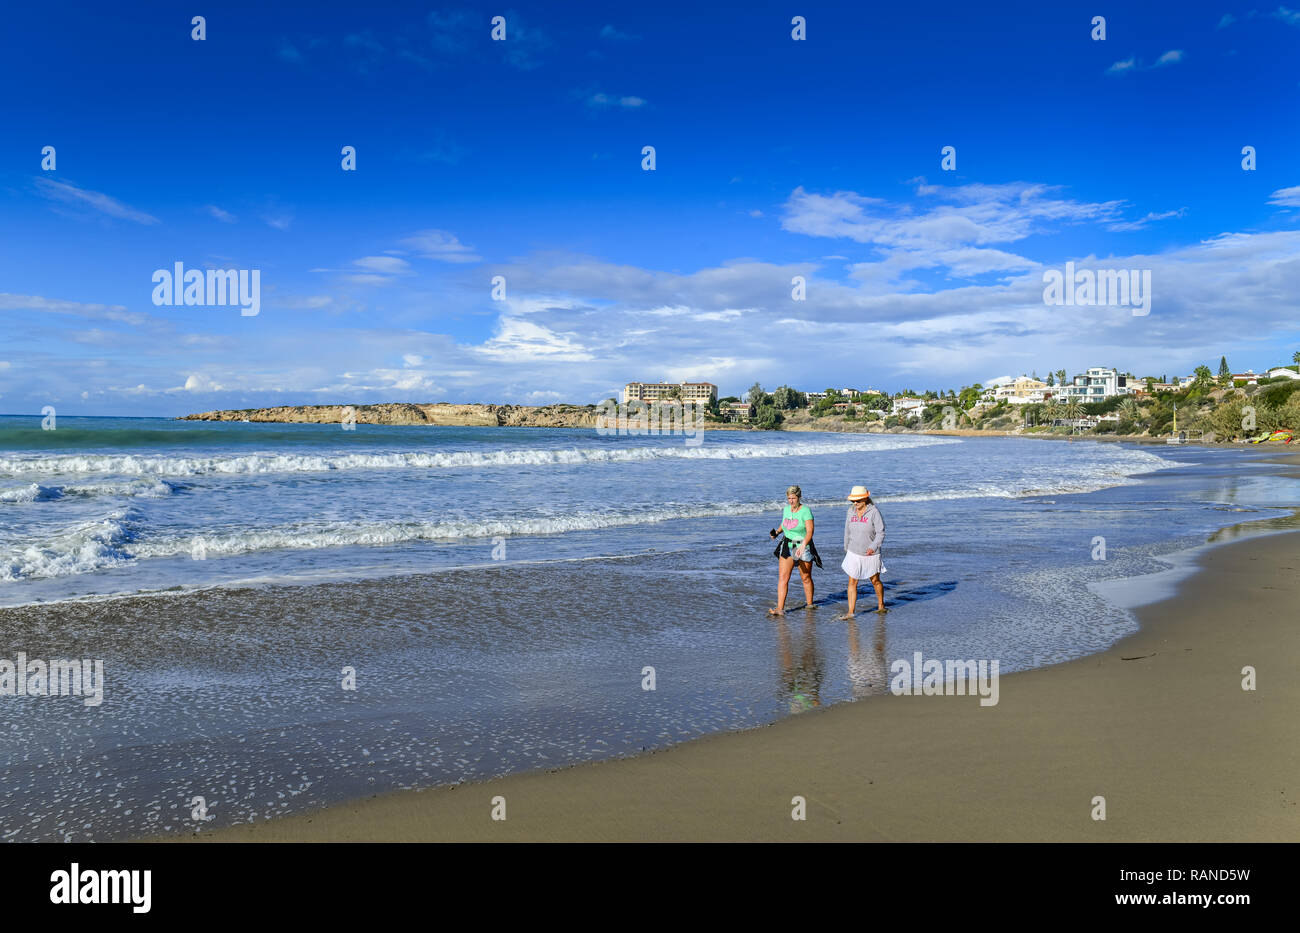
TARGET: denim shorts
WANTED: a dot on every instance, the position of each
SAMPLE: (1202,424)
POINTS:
(805,556)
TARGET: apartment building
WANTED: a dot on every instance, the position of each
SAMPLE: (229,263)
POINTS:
(1096,385)
(670,391)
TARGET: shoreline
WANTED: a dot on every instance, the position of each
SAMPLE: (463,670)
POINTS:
(1158,724)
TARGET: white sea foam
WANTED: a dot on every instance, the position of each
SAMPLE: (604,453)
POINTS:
(34,492)
(85,548)
(127,464)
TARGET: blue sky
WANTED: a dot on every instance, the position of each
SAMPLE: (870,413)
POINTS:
(522,158)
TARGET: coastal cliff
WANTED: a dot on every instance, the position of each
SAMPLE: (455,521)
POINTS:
(441,413)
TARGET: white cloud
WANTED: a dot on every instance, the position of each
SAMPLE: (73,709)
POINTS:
(1122,226)
(1172,57)
(224,216)
(953,228)
(10,302)
(1286,15)
(518,340)
(1286,197)
(384,265)
(440,245)
(198,382)
(602,100)
(95,200)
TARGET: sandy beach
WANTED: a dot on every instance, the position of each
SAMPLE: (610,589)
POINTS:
(1158,725)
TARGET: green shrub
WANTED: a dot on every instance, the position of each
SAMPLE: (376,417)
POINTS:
(1278,393)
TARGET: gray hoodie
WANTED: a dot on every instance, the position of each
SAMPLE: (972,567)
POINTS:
(865,533)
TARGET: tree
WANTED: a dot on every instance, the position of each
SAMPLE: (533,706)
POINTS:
(1051,379)
(1295,357)
(1203,376)
(788,398)
(969,396)
(1073,409)
(756,394)
(1129,409)
(674,392)
(1060,376)
(768,417)
(1225,374)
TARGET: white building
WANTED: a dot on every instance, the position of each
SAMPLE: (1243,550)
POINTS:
(1285,372)
(908,407)
(1022,391)
(1096,385)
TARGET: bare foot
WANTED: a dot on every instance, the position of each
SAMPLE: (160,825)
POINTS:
(882,609)
(776,612)
(844,617)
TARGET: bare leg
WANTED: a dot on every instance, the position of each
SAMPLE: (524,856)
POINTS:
(853,595)
(782,583)
(880,592)
(805,571)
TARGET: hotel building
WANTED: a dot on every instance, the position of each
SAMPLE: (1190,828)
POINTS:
(665,391)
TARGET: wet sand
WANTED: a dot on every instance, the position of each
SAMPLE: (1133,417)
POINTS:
(1158,725)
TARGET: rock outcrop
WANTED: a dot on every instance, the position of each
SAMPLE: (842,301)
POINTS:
(441,413)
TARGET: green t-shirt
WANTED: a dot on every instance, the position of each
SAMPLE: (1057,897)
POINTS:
(794,524)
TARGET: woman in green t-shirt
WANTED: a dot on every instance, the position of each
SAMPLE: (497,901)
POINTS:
(797,527)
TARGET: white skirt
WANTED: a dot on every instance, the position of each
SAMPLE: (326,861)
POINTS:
(862,567)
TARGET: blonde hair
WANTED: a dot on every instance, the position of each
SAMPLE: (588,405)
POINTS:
(794,491)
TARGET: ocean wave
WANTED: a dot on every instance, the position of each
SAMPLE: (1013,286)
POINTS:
(131,464)
(85,548)
(34,492)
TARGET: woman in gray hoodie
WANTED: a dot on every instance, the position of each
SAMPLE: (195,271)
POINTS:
(864,534)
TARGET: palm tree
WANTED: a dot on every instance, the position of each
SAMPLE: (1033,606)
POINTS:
(1073,409)
(1060,377)
(1129,410)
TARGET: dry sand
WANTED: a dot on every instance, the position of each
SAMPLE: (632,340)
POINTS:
(1159,725)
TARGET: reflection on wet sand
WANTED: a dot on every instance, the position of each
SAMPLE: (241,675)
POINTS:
(803,665)
(801,680)
(868,672)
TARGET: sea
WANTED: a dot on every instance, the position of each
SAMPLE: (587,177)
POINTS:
(293,615)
